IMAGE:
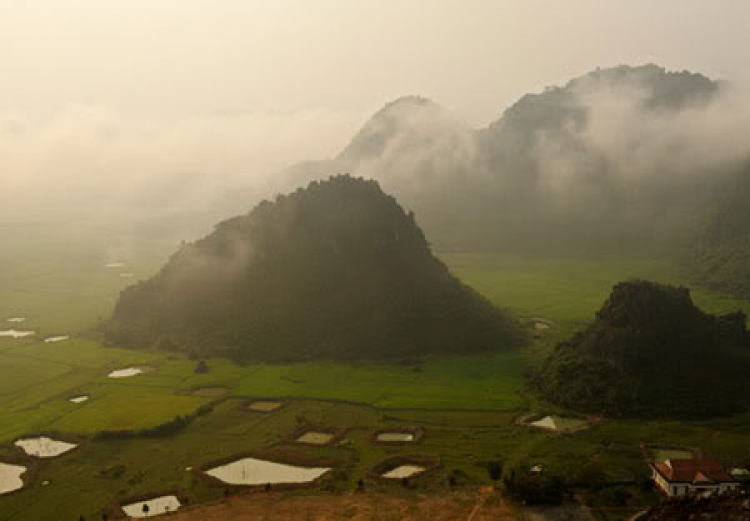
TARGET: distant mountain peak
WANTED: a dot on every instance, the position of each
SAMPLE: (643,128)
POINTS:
(411,119)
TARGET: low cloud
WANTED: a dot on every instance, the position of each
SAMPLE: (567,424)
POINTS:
(90,159)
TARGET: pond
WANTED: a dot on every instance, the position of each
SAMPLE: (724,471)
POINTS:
(558,423)
(79,399)
(152,507)
(10,477)
(127,372)
(403,471)
(54,339)
(251,471)
(315,438)
(265,406)
(395,437)
(44,447)
(12,333)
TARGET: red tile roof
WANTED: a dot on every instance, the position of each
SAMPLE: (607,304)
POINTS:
(693,470)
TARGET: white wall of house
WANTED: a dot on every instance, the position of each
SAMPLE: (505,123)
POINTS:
(680,489)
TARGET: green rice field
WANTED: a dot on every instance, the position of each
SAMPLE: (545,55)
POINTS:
(55,276)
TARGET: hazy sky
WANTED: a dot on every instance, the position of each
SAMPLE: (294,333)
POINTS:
(97,96)
(188,57)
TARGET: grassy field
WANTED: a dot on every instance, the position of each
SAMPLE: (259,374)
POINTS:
(467,406)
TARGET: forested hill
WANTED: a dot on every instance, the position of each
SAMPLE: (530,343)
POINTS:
(720,258)
(335,270)
(651,352)
(588,164)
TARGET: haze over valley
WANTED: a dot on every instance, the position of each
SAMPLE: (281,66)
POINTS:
(421,261)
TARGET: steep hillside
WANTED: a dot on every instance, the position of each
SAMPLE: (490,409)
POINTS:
(720,257)
(590,164)
(335,270)
(651,352)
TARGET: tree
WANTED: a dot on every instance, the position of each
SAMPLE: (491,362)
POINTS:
(145,509)
(202,367)
(495,470)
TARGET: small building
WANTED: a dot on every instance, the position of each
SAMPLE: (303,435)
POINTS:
(678,477)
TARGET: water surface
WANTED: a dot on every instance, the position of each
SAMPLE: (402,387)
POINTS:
(154,507)
(395,437)
(251,471)
(53,339)
(12,333)
(44,447)
(559,423)
(315,438)
(403,471)
(10,477)
(127,372)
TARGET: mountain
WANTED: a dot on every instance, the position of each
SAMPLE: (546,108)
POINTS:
(720,256)
(585,165)
(336,270)
(417,150)
(651,352)
(588,164)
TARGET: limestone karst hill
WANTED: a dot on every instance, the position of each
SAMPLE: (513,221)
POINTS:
(651,352)
(335,270)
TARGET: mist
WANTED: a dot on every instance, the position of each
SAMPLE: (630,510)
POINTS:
(92,162)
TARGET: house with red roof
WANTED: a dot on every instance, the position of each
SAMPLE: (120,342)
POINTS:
(677,477)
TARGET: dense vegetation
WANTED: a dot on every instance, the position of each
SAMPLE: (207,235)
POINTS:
(721,255)
(337,270)
(651,352)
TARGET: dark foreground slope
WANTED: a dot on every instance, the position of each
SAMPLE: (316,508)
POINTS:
(725,507)
(651,352)
(336,270)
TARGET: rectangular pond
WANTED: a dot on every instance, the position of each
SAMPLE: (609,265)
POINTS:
(395,437)
(152,507)
(403,471)
(315,438)
(44,447)
(251,471)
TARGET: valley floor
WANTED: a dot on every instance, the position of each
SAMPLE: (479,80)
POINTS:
(467,407)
